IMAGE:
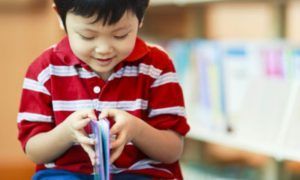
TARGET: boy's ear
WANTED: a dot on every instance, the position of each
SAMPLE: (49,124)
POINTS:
(54,7)
(61,25)
(141,23)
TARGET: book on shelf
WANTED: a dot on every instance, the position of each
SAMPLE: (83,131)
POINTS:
(253,87)
(210,82)
(269,118)
(100,132)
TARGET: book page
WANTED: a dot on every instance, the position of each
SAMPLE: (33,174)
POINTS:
(290,144)
(262,113)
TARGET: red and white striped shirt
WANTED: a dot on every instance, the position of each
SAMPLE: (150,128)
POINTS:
(57,83)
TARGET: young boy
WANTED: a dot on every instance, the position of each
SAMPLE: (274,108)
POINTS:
(102,69)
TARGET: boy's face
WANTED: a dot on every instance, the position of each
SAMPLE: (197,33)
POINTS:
(102,47)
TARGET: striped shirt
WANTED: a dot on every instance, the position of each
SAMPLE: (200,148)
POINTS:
(57,83)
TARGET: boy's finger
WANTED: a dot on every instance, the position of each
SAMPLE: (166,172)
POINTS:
(83,139)
(115,129)
(81,124)
(104,113)
(108,113)
(91,153)
(118,142)
(87,113)
(115,154)
(91,114)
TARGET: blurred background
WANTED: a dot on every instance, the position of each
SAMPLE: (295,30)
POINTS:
(238,62)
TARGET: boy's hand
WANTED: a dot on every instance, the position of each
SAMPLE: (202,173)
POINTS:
(125,129)
(75,124)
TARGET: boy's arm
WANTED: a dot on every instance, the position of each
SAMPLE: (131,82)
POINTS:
(47,146)
(162,145)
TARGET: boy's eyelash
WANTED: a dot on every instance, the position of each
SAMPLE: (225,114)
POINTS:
(91,38)
(86,38)
(121,37)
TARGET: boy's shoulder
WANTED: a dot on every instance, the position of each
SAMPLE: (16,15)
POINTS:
(53,55)
(41,62)
(158,56)
(56,54)
(156,50)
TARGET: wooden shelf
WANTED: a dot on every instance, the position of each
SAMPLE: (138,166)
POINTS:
(179,2)
(186,2)
(16,2)
(21,4)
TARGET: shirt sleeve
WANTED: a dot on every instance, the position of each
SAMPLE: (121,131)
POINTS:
(35,111)
(166,104)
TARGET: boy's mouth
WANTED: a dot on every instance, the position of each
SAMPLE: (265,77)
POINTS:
(104,60)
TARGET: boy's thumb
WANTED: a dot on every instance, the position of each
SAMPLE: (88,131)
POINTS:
(103,114)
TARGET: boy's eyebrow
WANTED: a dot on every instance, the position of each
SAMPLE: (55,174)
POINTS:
(114,30)
(88,29)
(121,28)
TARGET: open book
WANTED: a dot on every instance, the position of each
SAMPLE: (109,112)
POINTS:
(100,130)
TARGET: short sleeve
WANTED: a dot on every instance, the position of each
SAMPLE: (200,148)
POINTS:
(166,103)
(35,111)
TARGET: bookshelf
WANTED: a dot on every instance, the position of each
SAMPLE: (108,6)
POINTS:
(193,18)
(27,28)
(15,2)
(292,16)
(21,4)
(180,2)
(187,2)
(244,21)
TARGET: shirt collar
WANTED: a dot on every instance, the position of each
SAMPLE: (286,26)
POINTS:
(140,50)
(66,54)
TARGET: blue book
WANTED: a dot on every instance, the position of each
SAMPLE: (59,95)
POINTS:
(100,130)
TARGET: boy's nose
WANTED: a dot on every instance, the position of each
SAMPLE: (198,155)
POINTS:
(103,49)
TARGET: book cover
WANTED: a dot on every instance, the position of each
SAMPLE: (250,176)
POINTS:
(100,131)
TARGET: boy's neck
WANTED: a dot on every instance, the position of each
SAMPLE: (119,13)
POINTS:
(105,75)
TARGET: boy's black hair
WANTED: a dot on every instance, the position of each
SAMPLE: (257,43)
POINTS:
(110,11)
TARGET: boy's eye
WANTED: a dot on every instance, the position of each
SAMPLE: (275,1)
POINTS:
(121,37)
(86,37)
